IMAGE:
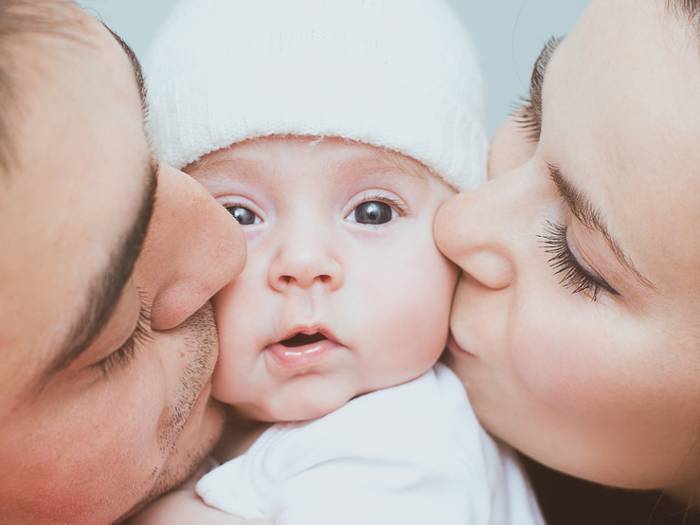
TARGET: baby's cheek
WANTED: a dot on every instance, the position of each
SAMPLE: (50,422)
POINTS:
(226,321)
(421,323)
(221,383)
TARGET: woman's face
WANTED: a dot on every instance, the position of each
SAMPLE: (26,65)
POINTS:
(576,323)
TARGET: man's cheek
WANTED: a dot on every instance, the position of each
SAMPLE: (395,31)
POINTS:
(70,470)
(99,451)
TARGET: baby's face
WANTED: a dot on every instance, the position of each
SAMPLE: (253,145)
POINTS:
(344,291)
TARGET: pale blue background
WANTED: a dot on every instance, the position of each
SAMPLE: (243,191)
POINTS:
(508,33)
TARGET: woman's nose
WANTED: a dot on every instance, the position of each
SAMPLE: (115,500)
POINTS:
(192,250)
(304,260)
(478,230)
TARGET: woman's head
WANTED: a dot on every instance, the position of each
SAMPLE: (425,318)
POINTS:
(580,301)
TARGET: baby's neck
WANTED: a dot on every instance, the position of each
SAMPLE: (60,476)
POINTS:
(239,434)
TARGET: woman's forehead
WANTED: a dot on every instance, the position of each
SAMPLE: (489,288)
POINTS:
(622,117)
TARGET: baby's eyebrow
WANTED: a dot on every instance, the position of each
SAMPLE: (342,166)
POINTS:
(383,163)
(212,168)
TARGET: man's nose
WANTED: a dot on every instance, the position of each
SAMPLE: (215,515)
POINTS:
(481,230)
(192,250)
(302,260)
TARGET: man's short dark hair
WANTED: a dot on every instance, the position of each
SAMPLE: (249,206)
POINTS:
(21,22)
(689,9)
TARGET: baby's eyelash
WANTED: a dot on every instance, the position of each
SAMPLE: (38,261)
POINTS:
(386,199)
(572,275)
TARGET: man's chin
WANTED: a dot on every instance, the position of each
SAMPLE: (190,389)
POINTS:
(193,447)
(190,453)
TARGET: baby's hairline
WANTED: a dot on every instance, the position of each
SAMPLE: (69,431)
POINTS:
(397,159)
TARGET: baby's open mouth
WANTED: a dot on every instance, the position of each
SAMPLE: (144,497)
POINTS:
(303,349)
(303,339)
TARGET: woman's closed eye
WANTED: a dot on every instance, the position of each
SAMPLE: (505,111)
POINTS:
(573,275)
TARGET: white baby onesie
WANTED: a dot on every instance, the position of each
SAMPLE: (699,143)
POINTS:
(410,454)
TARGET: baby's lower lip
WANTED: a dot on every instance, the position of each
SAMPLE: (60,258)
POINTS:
(301,356)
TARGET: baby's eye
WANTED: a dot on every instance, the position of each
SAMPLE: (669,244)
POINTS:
(243,215)
(372,212)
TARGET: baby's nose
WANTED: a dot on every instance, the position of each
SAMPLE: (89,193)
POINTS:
(303,265)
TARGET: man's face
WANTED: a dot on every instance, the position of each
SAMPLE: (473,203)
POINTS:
(105,367)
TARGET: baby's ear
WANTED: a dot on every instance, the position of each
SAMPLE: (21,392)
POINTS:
(511,147)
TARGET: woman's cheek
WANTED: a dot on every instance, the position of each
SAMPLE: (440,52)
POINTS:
(558,358)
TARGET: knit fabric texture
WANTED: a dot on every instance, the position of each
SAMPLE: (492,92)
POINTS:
(397,74)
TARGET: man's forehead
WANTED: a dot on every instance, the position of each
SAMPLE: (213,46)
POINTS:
(79,204)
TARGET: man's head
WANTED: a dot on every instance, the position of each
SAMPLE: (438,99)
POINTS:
(107,340)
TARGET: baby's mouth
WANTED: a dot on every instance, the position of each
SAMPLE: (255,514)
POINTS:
(300,339)
(303,349)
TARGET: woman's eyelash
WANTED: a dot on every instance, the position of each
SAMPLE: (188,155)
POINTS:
(123,356)
(528,113)
(527,118)
(573,276)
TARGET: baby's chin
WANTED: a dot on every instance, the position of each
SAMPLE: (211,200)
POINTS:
(302,401)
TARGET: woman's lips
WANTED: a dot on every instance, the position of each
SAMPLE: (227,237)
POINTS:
(454,347)
(298,357)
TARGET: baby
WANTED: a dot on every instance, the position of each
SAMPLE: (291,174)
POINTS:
(332,130)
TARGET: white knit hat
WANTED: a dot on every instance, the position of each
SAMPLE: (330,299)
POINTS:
(399,74)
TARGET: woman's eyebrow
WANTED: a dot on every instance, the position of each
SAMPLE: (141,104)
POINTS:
(533,104)
(584,210)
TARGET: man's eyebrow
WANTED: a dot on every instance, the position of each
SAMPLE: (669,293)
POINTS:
(135,64)
(106,288)
(583,209)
